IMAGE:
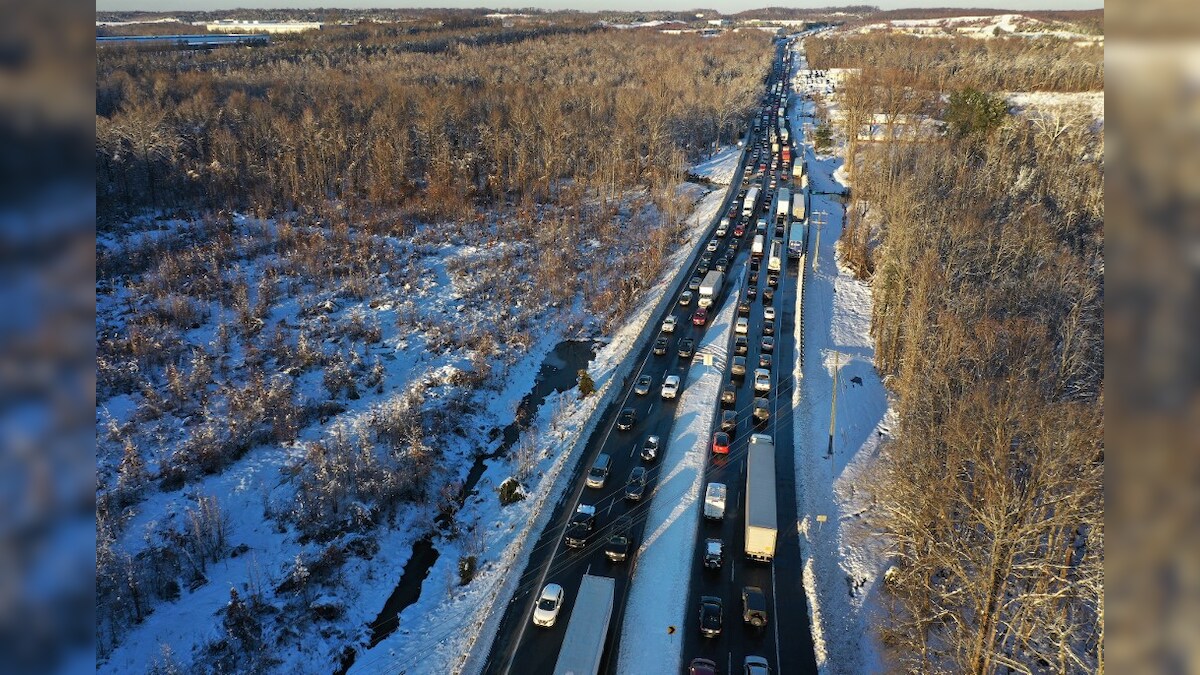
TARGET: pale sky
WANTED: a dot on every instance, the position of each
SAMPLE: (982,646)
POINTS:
(727,6)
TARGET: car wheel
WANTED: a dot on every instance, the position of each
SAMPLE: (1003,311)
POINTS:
(756,621)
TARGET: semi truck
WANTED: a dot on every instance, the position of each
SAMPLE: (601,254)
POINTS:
(583,645)
(710,286)
(775,260)
(751,200)
(798,169)
(756,248)
(797,240)
(798,210)
(761,528)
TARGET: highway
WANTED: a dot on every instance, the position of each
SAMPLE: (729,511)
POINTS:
(520,647)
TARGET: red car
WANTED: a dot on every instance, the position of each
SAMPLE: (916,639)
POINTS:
(700,317)
(720,444)
(739,230)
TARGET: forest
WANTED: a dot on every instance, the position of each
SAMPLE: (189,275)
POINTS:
(984,248)
(275,224)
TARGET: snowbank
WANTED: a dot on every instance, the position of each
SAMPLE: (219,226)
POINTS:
(659,589)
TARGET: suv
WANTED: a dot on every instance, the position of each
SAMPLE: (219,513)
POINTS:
(728,420)
(660,346)
(740,345)
(710,616)
(714,553)
(686,348)
(729,396)
(723,227)
(581,526)
(738,368)
(762,410)
(743,308)
(754,606)
(650,449)
(617,548)
(599,471)
(670,386)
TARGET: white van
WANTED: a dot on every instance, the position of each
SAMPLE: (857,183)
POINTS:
(599,471)
(714,501)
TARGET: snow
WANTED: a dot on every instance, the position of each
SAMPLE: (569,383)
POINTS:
(842,551)
(659,590)
(1043,103)
(442,630)
(721,166)
(981,27)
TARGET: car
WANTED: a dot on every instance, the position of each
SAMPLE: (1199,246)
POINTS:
(700,666)
(721,265)
(668,325)
(768,295)
(545,612)
(772,280)
(754,265)
(712,245)
(752,278)
(760,227)
(754,606)
(617,548)
(700,317)
(756,665)
(723,227)
(626,419)
(650,448)
(768,327)
(710,615)
(670,386)
(686,348)
(598,474)
(762,379)
(636,486)
(643,385)
(764,360)
(741,345)
(742,326)
(685,298)
(731,252)
(752,292)
(660,346)
(743,308)
(738,231)
(737,367)
(728,420)
(702,268)
(714,553)
(729,396)
(580,527)
(768,344)
(769,312)
(779,229)
(720,443)
(694,284)
(762,410)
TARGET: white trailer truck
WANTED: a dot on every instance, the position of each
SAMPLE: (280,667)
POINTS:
(714,501)
(761,528)
(583,645)
(751,201)
(710,287)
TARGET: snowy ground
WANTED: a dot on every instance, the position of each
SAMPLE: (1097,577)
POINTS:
(659,589)
(443,626)
(842,561)
(982,27)
(1061,104)
(721,166)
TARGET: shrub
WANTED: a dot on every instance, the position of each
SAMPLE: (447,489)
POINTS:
(511,492)
(971,111)
(586,385)
(466,569)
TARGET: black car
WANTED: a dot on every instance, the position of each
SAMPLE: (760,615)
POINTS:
(737,369)
(702,268)
(636,486)
(627,419)
(721,265)
(754,606)
(740,345)
(768,344)
(752,292)
(772,279)
(764,361)
(768,325)
(728,420)
(686,348)
(580,528)
(710,616)
(617,548)
(762,410)
(714,553)
(731,251)
(752,278)
(729,396)
(744,308)
(660,346)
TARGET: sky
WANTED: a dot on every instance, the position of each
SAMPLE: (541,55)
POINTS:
(727,6)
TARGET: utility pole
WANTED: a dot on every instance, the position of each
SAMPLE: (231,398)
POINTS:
(833,403)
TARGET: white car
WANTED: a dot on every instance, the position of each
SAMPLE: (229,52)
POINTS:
(769,312)
(670,386)
(546,611)
(712,246)
(669,324)
(762,379)
(743,325)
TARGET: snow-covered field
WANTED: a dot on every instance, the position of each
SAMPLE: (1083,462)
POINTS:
(721,166)
(659,589)
(1062,105)
(982,27)
(843,559)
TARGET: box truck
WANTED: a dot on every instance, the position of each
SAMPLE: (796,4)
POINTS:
(761,528)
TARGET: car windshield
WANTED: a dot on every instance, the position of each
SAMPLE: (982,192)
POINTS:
(546,603)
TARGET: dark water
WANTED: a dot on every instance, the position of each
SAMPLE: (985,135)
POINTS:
(559,372)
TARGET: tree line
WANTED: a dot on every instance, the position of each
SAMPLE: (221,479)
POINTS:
(984,250)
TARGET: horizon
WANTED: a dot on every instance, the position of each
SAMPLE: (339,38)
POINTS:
(166,6)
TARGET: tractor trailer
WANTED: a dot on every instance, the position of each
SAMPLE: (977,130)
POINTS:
(583,645)
(761,528)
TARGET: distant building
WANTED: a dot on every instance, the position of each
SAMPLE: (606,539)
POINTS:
(236,26)
(719,22)
(184,41)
